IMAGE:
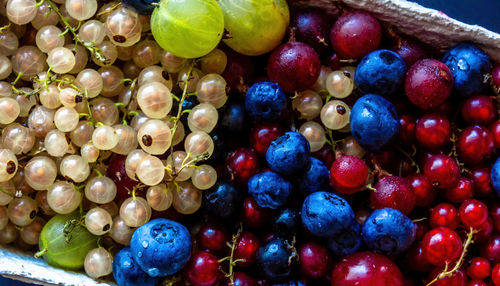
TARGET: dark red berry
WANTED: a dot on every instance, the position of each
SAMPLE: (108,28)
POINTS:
(433,131)
(479,109)
(240,71)
(442,171)
(410,50)
(494,212)
(241,279)
(477,283)
(116,172)
(461,191)
(325,155)
(366,269)
(428,83)
(393,192)
(482,182)
(407,123)
(315,261)
(473,213)
(479,268)
(295,66)
(445,215)
(355,34)
(491,249)
(212,237)
(415,259)
(242,164)
(253,215)
(246,248)
(441,245)
(425,194)
(334,61)
(313,28)
(348,174)
(495,133)
(484,231)
(475,145)
(458,278)
(203,269)
(495,76)
(261,136)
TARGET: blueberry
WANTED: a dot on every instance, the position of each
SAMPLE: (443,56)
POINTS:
(273,258)
(128,273)
(388,231)
(219,154)
(286,223)
(346,242)
(380,72)
(233,118)
(288,154)
(315,179)
(468,64)
(325,214)
(374,122)
(222,199)
(269,189)
(495,176)
(144,7)
(161,247)
(265,101)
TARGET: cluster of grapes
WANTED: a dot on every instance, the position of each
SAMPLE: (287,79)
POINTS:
(136,136)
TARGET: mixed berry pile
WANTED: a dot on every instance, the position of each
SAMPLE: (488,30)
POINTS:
(245,142)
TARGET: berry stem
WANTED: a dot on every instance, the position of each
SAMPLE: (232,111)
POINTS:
(41,253)
(407,155)
(96,52)
(458,264)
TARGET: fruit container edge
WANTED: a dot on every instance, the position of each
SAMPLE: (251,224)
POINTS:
(428,25)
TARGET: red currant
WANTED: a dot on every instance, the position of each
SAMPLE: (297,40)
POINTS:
(348,174)
(477,283)
(242,164)
(246,248)
(325,155)
(253,215)
(410,50)
(445,215)
(416,259)
(491,248)
(116,172)
(473,213)
(442,171)
(433,131)
(458,278)
(422,187)
(441,245)
(482,182)
(212,237)
(315,261)
(495,133)
(495,215)
(479,268)
(203,270)
(462,191)
(475,145)
(479,109)
(495,275)
(262,135)
(366,269)
(485,231)
(393,192)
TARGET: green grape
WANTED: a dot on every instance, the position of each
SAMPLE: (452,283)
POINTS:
(68,251)
(255,26)
(187,28)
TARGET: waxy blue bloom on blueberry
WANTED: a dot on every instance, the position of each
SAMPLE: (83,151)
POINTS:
(315,178)
(222,199)
(286,222)
(380,72)
(161,247)
(326,214)
(269,189)
(374,122)
(388,231)
(265,101)
(347,241)
(273,259)
(495,176)
(468,64)
(289,154)
(127,272)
